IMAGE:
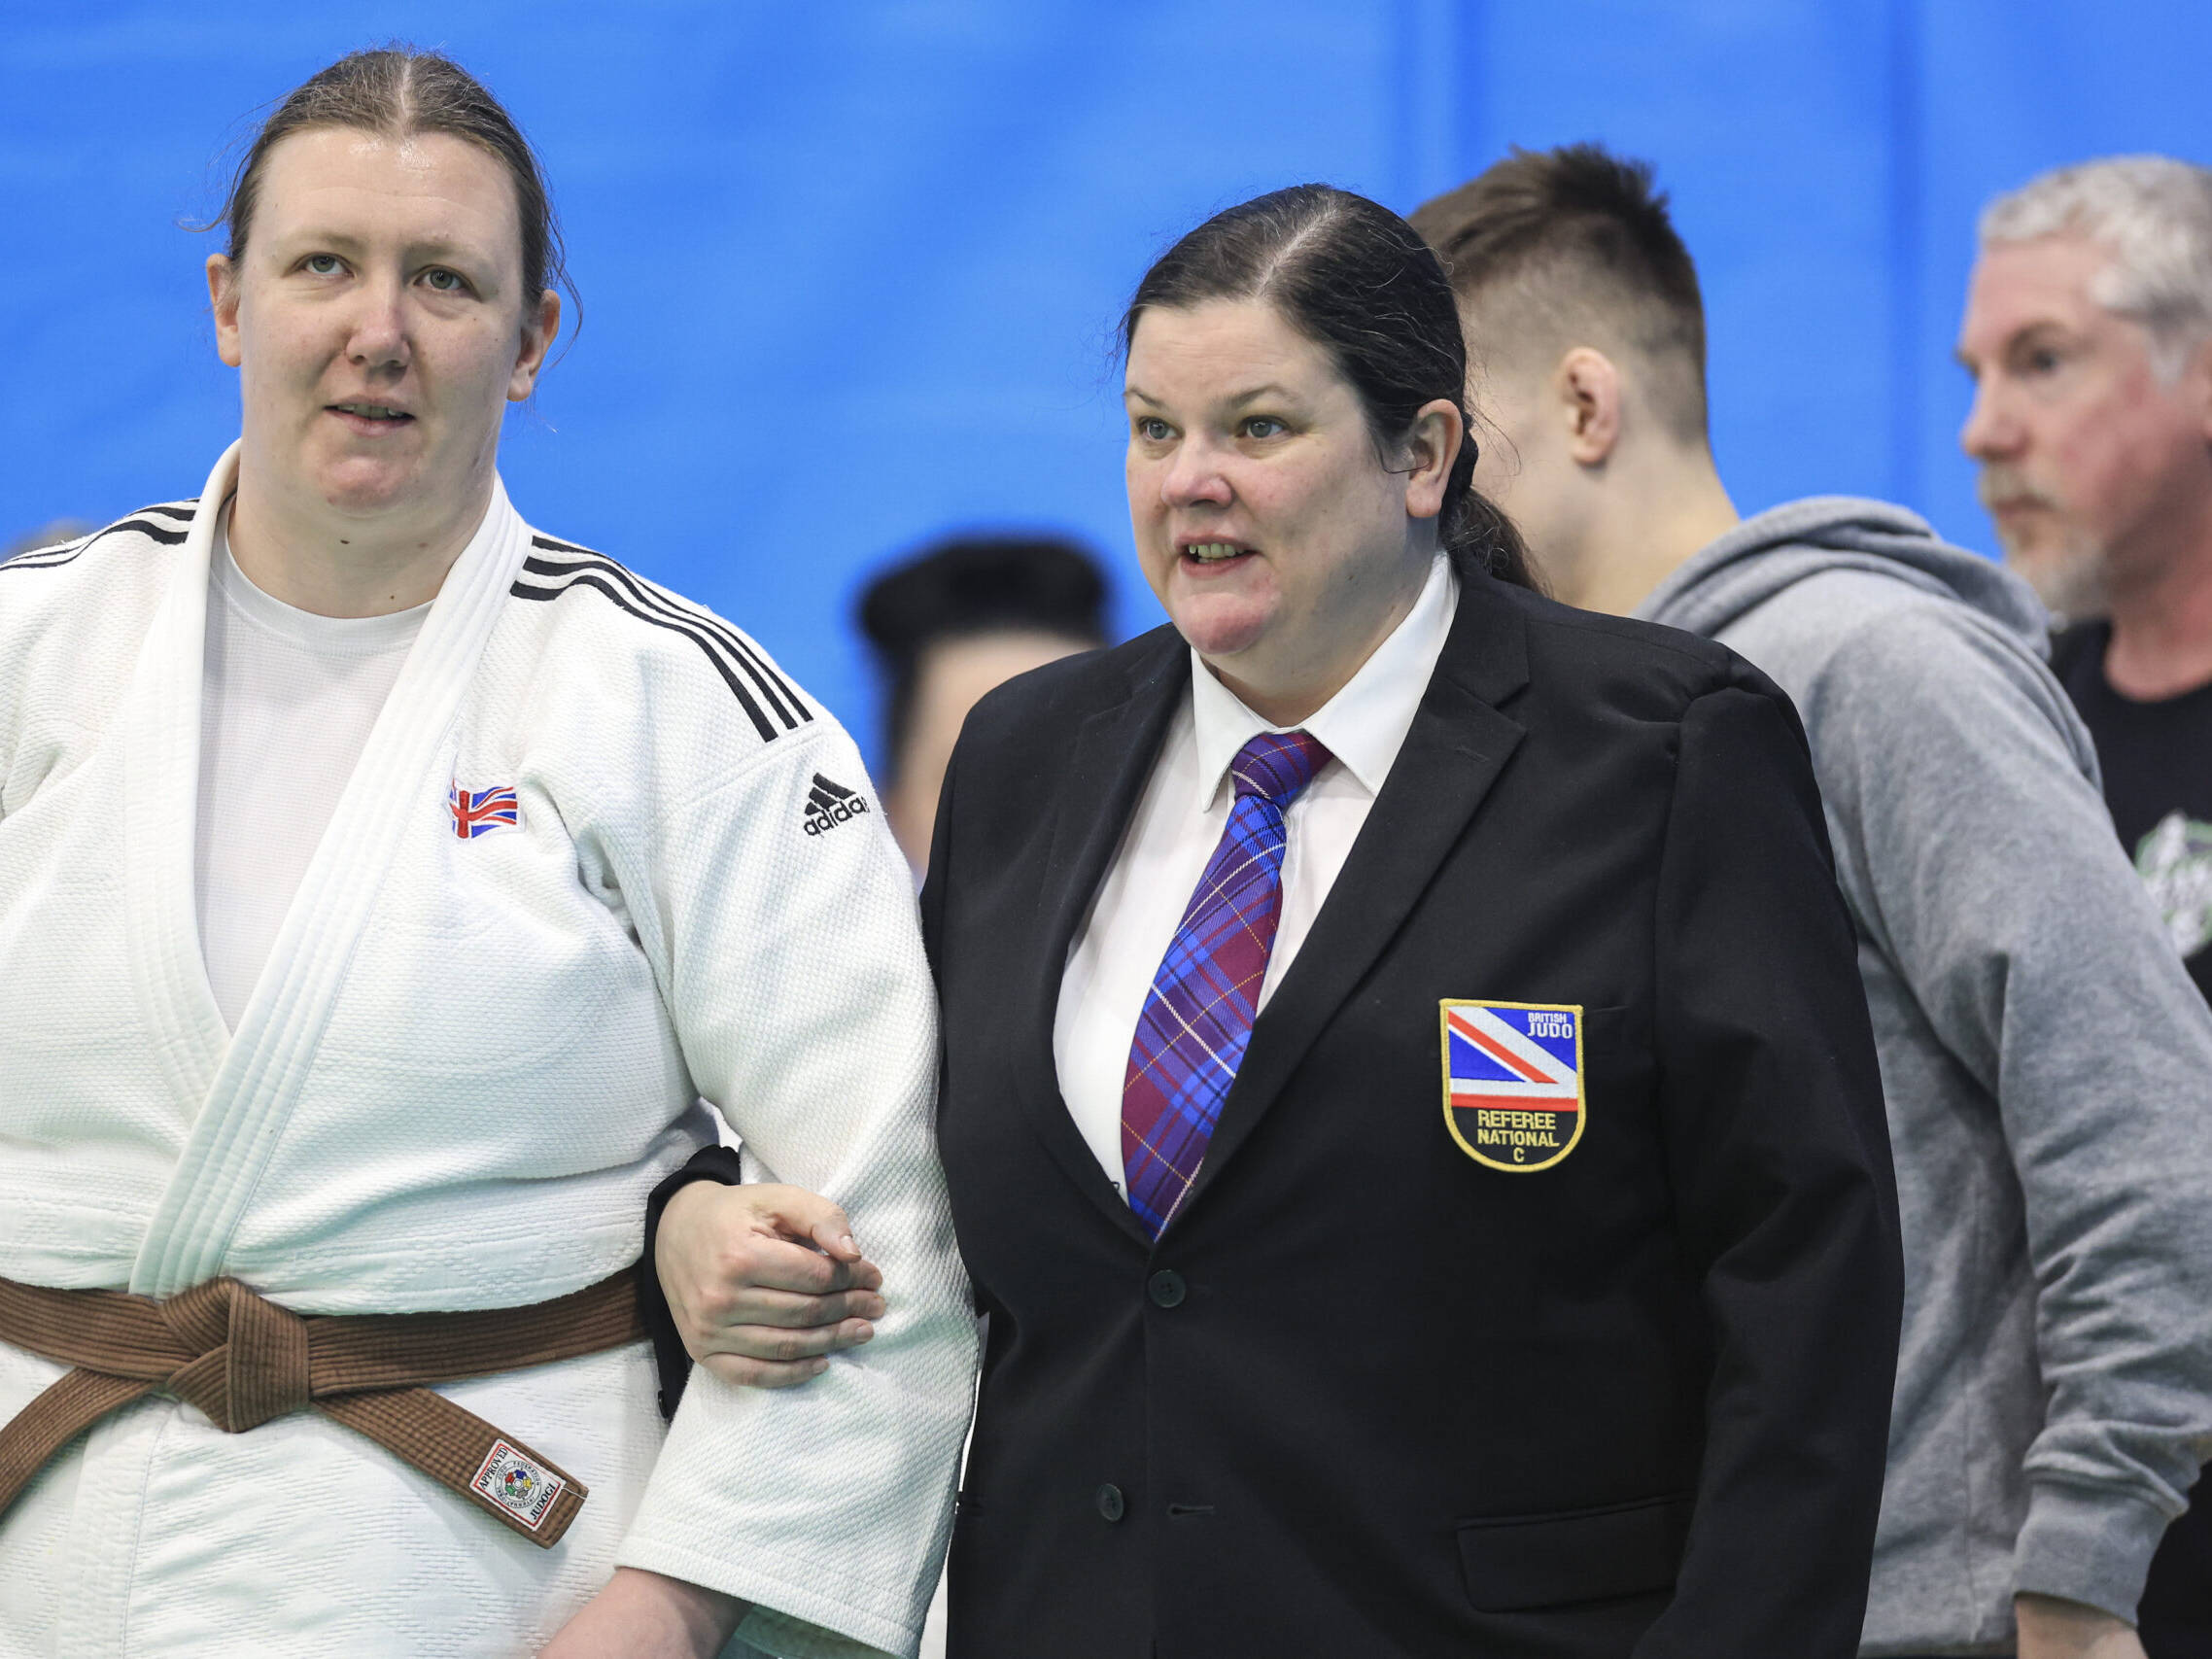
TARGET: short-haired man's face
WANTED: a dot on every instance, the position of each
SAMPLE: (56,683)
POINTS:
(2084,452)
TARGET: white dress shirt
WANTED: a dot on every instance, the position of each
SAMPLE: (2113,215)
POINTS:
(1179,822)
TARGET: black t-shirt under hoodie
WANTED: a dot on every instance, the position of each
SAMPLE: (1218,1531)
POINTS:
(2157,759)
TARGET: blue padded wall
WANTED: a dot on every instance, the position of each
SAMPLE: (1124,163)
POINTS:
(851,270)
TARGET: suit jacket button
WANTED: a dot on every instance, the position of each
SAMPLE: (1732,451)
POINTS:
(1108,1500)
(1167,1287)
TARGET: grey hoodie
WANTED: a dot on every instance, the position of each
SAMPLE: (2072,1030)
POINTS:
(2046,1061)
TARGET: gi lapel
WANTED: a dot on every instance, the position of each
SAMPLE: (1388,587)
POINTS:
(1458,744)
(159,724)
(392,785)
(1112,760)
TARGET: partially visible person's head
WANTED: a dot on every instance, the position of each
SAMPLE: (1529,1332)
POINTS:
(2089,334)
(1584,325)
(954,622)
(388,286)
(1297,452)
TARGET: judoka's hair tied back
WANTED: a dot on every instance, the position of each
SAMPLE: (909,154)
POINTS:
(397,92)
(1352,277)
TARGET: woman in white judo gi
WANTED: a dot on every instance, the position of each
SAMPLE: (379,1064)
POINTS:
(382,883)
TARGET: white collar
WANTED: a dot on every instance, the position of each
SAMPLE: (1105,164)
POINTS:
(1364,724)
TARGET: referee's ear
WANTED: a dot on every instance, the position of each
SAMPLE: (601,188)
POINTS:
(1432,445)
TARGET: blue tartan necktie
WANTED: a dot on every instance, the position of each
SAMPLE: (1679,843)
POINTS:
(1197,1018)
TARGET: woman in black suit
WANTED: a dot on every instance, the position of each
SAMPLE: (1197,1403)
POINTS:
(1407,1097)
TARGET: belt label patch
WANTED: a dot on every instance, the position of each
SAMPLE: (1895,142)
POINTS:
(521,1486)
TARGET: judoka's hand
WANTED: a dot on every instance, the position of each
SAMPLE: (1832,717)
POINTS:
(764,1281)
(643,1616)
(2054,1629)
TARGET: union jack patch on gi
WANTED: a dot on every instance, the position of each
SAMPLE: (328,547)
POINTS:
(1513,1082)
(480,811)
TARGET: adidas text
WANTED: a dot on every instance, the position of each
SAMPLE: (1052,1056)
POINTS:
(829,804)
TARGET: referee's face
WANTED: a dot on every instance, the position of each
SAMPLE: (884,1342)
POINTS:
(375,318)
(1282,547)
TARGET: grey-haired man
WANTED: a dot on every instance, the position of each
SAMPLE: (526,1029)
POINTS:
(2089,334)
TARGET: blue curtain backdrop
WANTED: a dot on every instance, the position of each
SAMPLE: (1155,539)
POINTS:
(851,270)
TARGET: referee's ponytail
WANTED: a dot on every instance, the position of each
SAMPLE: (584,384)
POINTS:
(1355,279)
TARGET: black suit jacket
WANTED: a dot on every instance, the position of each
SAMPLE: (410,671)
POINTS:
(1366,1395)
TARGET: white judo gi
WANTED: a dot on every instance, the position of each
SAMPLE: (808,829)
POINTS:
(466,1063)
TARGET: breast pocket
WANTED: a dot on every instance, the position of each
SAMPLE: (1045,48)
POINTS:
(1521,1563)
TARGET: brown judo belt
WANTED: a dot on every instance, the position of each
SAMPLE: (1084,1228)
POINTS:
(243,1360)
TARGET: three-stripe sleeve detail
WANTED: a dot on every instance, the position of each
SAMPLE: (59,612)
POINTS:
(67,552)
(768,700)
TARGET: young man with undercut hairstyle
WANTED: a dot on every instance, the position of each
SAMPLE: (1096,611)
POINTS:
(2045,1059)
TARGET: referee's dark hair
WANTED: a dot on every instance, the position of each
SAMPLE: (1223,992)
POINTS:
(1551,249)
(1355,279)
(966,586)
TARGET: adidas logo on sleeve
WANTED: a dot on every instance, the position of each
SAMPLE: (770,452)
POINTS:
(829,804)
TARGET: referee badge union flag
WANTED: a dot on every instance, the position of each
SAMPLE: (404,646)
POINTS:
(1513,1082)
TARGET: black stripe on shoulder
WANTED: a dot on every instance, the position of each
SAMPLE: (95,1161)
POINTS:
(160,532)
(45,557)
(789,706)
(67,552)
(706,645)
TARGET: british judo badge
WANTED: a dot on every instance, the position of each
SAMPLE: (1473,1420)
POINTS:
(1513,1082)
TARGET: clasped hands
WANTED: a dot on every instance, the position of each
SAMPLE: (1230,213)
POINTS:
(765,1282)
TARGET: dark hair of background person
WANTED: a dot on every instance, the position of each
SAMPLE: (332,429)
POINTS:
(1574,246)
(968,586)
(1355,279)
(398,92)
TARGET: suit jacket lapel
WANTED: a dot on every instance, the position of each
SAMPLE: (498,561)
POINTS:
(1457,747)
(1112,760)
